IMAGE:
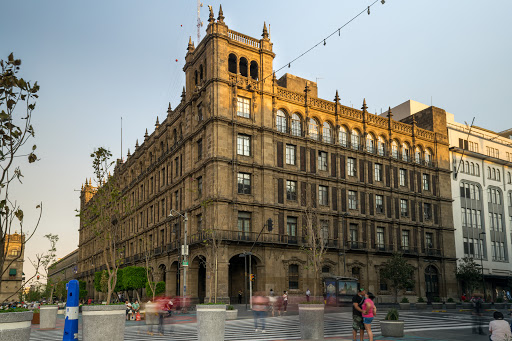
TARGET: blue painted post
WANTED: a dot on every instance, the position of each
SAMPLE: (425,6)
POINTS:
(71,323)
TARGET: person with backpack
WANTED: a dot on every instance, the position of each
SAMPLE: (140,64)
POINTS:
(357,314)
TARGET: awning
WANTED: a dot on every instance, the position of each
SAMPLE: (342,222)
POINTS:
(12,272)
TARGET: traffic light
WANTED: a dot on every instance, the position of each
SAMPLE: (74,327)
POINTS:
(269,224)
(252,277)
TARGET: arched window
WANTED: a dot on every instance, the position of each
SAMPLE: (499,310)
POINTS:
(327,133)
(467,167)
(494,173)
(461,169)
(428,156)
(281,121)
(509,178)
(394,149)
(370,143)
(498,175)
(489,174)
(355,139)
(196,78)
(254,70)
(381,145)
(472,170)
(232,63)
(243,66)
(417,155)
(201,72)
(406,150)
(477,170)
(293,276)
(313,129)
(342,136)
(296,125)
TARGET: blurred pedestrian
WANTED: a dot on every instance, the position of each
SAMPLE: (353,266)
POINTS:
(477,314)
(499,328)
(128,309)
(285,300)
(369,312)
(308,293)
(357,314)
(279,304)
(272,302)
(239,296)
(259,308)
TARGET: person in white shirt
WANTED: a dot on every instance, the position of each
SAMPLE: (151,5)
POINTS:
(499,328)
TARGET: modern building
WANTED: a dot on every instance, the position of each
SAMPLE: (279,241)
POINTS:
(243,146)
(65,269)
(12,276)
(481,165)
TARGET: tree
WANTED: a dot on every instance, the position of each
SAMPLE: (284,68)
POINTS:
(15,131)
(398,273)
(82,285)
(155,289)
(134,278)
(47,262)
(315,244)
(102,214)
(469,274)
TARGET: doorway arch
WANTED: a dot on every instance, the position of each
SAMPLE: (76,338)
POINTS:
(431,282)
(236,280)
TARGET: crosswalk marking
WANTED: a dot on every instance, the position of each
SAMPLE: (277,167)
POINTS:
(278,328)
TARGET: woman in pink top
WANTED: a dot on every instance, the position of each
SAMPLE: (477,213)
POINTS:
(369,312)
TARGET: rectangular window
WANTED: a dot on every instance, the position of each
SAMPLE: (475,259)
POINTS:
(293,276)
(199,149)
(244,222)
(379,204)
(200,186)
(244,145)
(291,226)
(291,190)
(352,200)
(200,112)
(176,167)
(500,223)
(243,107)
(380,238)
(429,239)
(403,177)
(322,161)
(479,219)
(324,230)
(405,239)
(351,166)
(404,210)
(473,218)
(426,182)
(323,197)
(378,172)
(491,221)
(427,211)
(463,216)
(493,248)
(162,205)
(176,200)
(353,232)
(244,183)
(199,222)
(290,154)
(466,246)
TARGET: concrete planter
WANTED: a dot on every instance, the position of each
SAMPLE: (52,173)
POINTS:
(437,305)
(451,305)
(311,317)
(231,314)
(392,328)
(405,306)
(103,322)
(421,306)
(151,312)
(467,305)
(211,320)
(15,326)
(48,316)
(499,305)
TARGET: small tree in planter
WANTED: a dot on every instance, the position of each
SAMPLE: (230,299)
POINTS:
(421,304)
(398,273)
(469,274)
(450,303)
(404,304)
(392,326)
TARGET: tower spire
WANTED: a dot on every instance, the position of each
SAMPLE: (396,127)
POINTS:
(364,107)
(211,18)
(220,18)
(265,32)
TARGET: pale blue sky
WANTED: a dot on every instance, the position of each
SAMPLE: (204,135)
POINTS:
(99,60)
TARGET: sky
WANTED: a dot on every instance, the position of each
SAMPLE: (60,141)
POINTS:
(98,61)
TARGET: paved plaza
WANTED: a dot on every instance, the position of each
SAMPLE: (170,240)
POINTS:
(419,326)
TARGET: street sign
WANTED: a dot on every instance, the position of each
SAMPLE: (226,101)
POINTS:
(184,250)
(185,263)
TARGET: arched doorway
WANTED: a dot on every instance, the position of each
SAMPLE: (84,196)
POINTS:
(431,283)
(163,273)
(175,279)
(201,282)
(237,268)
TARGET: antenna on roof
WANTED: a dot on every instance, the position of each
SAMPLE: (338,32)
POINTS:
(199,22)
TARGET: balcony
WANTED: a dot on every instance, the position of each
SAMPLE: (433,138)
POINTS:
(433,252)
(388,248)
(354,245)
(408,250)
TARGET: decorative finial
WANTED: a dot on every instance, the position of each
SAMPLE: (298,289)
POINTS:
(190,46)
(146,136)
(129,152)
(221,15)
(390,114)
(413,120)
(85,181)
(211,19)
(183,93)
(336,98)
(265,32)
(364,107)
(157,124)
(90,181)
(137,144)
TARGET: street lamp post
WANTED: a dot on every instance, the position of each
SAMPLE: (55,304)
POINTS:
(184,250)
(482,262)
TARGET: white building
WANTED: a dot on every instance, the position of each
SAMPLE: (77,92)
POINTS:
(481,165)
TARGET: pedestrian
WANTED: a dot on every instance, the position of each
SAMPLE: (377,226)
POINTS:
(272,302)
(369,312)
(463,298)
(271,292)
(499,328)
(128,309)
(279,304)
(239,296)
(285,300)
(259,308)
(477,314)
(357,314)
(308,293)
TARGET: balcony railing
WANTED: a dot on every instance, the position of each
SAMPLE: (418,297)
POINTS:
(433,252)
(384,247)
(354,245)
(409,250)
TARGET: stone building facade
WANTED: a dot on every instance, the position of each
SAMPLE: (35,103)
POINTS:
(65,269)
(12,276)
(244,146)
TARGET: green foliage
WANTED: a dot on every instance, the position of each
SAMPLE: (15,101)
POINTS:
(60,290)
(82,285)
(392,315)
(98,281)
(134,277)
(450,300)
(13,310)
(159,288)
(421,300)
(469,274)
(436,299)
(404,300)
(230,307)
(398,273)
(499,300)
(34,293)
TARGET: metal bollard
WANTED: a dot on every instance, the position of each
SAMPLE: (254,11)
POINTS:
(71,323)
